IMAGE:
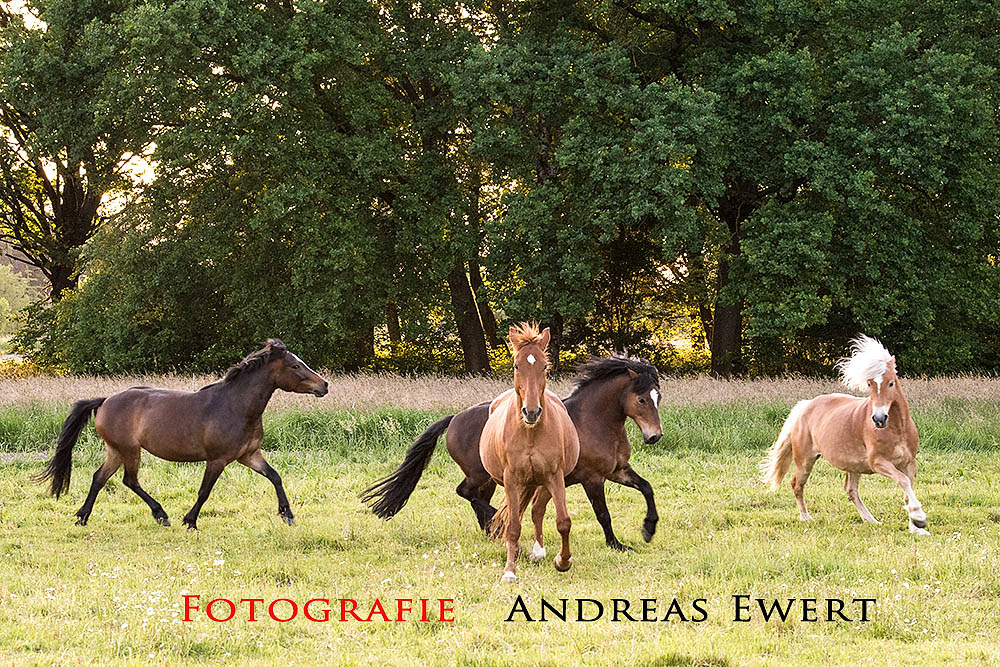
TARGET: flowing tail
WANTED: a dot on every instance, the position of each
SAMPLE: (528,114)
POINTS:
(779,457)
(388,495)
(500,521)
(59,467)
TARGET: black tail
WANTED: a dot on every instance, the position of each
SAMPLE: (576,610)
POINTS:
(59,467)
(391,493)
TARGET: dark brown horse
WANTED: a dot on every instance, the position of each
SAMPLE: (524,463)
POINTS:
(219,424)
(608,392)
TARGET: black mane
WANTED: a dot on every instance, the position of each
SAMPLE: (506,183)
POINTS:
(273,349)
(604,368)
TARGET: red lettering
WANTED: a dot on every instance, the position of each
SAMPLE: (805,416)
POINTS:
(400,610)
(188,607)
(253,607)
(443,609)
(344,611)
(270,610)
(326,610)
(377,609)
(423,610)
(232,610)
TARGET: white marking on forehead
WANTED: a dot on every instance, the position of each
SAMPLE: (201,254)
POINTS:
(531,358)
(295,357)
(655,396)
(878,381)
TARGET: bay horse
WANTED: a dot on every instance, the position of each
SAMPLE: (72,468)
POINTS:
(609,391)
(528,445)
(219,424)
(858,435)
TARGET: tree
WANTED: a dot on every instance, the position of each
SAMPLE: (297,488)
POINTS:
(68,138)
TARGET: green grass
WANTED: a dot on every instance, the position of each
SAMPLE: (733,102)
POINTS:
(111,591)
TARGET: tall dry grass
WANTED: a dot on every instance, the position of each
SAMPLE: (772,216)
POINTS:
(441,393)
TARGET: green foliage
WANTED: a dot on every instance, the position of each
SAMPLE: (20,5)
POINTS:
(633,174)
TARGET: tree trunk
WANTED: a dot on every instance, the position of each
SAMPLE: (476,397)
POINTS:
(735,206)
(486,316)
(362,350)
(392,323)
(60,279)
(470,330)
(555,324)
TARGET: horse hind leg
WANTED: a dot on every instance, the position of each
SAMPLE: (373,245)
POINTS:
(112,461)
(479,496)
(212,471)
(132,481)
(851,482)
(538,506)
(802,471)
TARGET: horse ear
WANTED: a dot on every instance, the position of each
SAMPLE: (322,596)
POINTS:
(278,348)
(543,340)
(892,362)
(632,374)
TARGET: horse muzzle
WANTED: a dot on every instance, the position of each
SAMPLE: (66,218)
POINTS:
(322,390)
(531,417)
(652,438)
(880,420)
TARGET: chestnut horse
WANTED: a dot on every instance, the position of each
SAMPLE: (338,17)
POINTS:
(608,392)
(219,424)
(529,443)
(858,435)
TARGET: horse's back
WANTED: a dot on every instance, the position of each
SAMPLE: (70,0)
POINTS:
(158,420)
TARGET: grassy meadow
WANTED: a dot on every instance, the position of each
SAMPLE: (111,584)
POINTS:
(111,591)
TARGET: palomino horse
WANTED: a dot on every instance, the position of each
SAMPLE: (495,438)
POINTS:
(219,424)
(860,436)
(608,392)
(529,443)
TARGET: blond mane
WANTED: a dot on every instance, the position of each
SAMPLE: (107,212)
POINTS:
(869,360)
(524,333)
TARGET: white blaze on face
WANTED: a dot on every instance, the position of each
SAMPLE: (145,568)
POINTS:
(531,359)
(296,358)
(880,411)
(655,395)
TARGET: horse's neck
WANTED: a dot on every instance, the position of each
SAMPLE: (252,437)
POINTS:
(602,399)
(250,394)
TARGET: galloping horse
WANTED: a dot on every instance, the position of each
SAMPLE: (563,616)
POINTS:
(608,392)
(858,435)
(528,445)
(220,423)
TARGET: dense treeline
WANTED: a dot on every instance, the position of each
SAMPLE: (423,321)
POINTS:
(387,184)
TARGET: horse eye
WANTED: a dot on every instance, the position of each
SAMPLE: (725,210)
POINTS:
(891,383)
(295,367)
(515,367)
(642,400)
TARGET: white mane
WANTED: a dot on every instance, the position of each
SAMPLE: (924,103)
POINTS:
(869,360)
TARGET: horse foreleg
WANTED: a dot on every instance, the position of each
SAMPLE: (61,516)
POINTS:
(514,490)
(212,471)
(255,461)
(628,477)
(132,481)
(851,482)
(918,519)
(538,506)
(479,498)
(595,493)
(112,461)
(557,487)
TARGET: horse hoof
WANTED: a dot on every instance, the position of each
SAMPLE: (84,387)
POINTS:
(163,520)
(190,524)
(508,578)
(537,553)
(918,530)
(288,518)
(81,521)
(648,532)
(618,546)
(560,566)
